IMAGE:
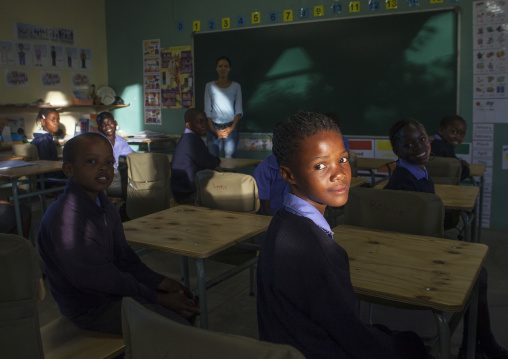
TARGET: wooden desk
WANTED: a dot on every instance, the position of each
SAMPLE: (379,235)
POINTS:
(429,272)
(476,169)
(7,156)
(231,164)
(195,232)
(357,181)
(38,167)
(148,141)
(372,164)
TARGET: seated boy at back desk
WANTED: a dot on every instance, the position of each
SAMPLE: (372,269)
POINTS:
(191,156)
(450,135)
(88,262)
(271,186)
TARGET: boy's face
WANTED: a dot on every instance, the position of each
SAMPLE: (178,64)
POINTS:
(454,133)
(414,145)
(319,171)
(198,124)
(92,170)
(108,126)
(51,122)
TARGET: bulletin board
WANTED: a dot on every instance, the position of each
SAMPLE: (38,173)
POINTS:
(370,70)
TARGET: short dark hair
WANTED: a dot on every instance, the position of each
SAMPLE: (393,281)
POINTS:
(223,58)
(102,116)
(73,146)
(397,128)
(190,113)
(449,119)
(289,133)
(334,117)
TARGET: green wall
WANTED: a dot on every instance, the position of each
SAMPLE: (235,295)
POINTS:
(128,22)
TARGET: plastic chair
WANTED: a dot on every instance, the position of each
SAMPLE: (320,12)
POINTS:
(149,335)
(148,189)
(398,211)
(27,150)
(444,170)
(22,287)
(229,191)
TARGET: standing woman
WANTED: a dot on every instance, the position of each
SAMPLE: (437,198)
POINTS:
(223,107)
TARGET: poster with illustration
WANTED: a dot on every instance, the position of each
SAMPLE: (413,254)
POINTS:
(177,79)
(152,82)
(56,57)
(22,54)
(6,54)
(80,80)
(40,55)
(71,60)
(51,79)
(29,32)
(151,47)
(153,117)
(152,99)
(85,59)
(151,65)
(16,78)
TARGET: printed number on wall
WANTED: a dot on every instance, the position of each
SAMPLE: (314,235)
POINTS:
(319,11)
(391,4)
(196,26)
(226,22)
(354,6)
(337,8)
(256,17)
(211,25)
(288,15)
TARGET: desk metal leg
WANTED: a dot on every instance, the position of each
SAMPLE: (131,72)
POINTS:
(202,292)
(473,313)
(444,334)
(43,197)
(372,177)
(467,226)
(480,211)
(17,209)
(184,270)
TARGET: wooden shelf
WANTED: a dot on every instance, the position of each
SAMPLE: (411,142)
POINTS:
(65,108)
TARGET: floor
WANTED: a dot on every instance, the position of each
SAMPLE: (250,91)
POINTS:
(233,310)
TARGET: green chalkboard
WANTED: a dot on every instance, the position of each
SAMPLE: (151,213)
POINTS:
(371,70)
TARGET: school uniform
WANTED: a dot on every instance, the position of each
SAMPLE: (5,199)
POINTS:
(45,145)
(409,177)
(118,187)
(270,184)
(121,148)
(441,148)
(191,156)
(305,296)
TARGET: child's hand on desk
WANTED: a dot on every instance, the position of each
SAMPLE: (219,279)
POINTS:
(180,303)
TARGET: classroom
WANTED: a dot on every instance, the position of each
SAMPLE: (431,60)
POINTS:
(110,41)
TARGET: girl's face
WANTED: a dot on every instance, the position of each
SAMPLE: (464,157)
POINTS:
(453,133)
(319,171)
(223,68)
(414,145)
(51,122)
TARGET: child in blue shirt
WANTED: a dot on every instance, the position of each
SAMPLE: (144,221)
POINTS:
(191,156)
(271,186)
(411,144)
(450,135)
(49,120)
(305,295)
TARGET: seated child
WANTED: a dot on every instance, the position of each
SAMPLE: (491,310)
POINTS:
(107,127)
(88,262)
(451,134)
(271,187)
(191,156)
(305,296)
(43,138)
(411,144)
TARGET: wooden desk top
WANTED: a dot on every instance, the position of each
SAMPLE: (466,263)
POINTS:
(231,164)
(357,181)
(37,168)
(415,270)
(366,163)
(7,156)
(476,169)
(192,231)
(457,197)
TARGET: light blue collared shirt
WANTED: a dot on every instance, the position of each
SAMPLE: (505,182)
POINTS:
(300,207)
(223,104)
(414,169)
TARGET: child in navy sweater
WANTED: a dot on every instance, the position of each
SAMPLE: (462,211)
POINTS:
(191,156)
(305,295)
(410,142)
(49,120)
(451,134)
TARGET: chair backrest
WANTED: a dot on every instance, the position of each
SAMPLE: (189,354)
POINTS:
(28,150)
(353,163)
(20,274)
(398,211)
(444,170)
(148,189)
(228,191)
(149,335)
